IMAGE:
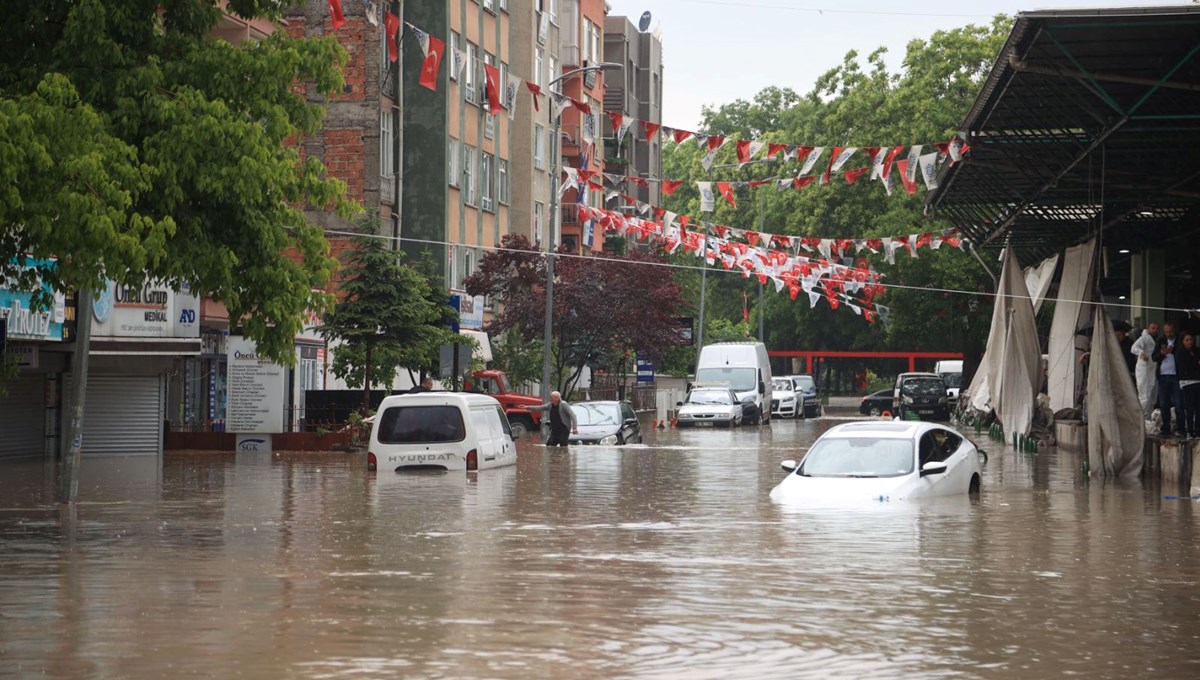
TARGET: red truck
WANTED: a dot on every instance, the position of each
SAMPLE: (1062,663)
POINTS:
(516,406)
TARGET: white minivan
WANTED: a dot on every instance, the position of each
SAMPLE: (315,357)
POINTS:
(744,366)
(440,431)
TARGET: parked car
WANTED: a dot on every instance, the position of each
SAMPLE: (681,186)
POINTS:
(440,431)
(922,395)
(710,407)
(876,403)
(784,398)
(606,423)
(889,460)
(806,387)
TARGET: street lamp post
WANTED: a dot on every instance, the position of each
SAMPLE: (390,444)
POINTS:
(553,227)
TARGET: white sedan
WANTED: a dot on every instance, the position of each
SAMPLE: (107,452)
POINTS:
(710,407)
(883,461)
(783,398)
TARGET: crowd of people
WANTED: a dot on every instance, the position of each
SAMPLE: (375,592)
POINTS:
(1167,374)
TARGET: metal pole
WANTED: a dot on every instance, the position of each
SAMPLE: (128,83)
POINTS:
(68,475)
(762,208)
(703,282)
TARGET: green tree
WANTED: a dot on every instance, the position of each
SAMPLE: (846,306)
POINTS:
(134,146)
(387,319)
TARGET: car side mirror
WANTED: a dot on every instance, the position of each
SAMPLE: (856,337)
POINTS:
(679,403)
(788,465)
(762,388)
(933,467)
(515,435)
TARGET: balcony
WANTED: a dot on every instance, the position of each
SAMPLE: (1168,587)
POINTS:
(570,213)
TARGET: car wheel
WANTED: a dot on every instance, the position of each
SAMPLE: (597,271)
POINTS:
(520,427)
(875,411)
(973,488)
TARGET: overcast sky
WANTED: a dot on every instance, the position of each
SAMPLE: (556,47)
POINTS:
(718,51)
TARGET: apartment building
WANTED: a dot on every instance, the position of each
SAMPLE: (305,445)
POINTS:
(456,157)
(536,57)
(637,95)
(581,26)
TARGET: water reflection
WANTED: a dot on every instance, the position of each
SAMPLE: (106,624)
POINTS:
(666,559)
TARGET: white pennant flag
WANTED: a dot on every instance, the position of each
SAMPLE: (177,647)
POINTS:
(813,298)
(669,219)
(889,250)
(372,13)
(885,314)
(811,160)
(510,95)
(754,148)
(707,161)
(643,208)
(572,181)
(460,62)
(708,202)
(956,146)
(877,166)
(781,184)
(858,311)
(842,158)
(559,102)
(825,247)
(626,121)
(928,164)
(610,194)
(889,182)
(914,159)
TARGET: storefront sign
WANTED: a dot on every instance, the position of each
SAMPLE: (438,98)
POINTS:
(152,311)
(22,356)
(24,323)
(470,310)
(254,443)
(255,389)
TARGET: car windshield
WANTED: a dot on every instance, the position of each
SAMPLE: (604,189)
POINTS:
(421,424)
(782,385)
(858,457)
(923,387)
(740,379)
(804,382)
(710,397)
(952,379)
(596,414)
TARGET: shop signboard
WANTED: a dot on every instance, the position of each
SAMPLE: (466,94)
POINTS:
(255,387)
(25,323)
(150,311)
(470,310)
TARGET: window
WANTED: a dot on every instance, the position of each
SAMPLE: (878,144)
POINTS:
(487,180)
(504,5)
(468,186)
(539,221)
(387,144)
(505,190)
(597,45)
(553,70)
(452,160)
(591,43)
(469,79)
(490,5)
(552,8)
(452,53)
(539,147)
(468,265)
(539,62)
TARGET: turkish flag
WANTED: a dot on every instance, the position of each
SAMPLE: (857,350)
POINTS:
(391,24)
(534,90)
(491,76)
(910,185)
(335,10)
(670,185)
(745,308)
(681,136)
(727,193)
(433,61)
(650,128)
(743,151)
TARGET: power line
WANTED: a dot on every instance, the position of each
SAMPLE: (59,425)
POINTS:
(823,10)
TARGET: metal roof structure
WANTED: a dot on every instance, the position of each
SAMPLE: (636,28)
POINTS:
(1088,123)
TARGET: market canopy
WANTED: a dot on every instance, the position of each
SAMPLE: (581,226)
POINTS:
(1089,120)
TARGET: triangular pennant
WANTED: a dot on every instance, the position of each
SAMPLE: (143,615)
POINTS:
(651,129)
(708,202)
(914,154)
(534,91)
(336,15)
(511,88)
(681,136)
(727,193)
(907,176)
(814,154)
(670,185)
(928,164)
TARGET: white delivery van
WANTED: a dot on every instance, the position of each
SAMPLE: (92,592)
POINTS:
(440,430)
(745,368)
(951,371)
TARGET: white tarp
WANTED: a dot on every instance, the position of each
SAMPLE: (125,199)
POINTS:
(1014,376)
(1070,315)
(1116,431)
(978,391)
(1038,280)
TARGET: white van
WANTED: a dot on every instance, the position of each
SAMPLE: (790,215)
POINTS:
(951,371)
(744,366)
(440,431)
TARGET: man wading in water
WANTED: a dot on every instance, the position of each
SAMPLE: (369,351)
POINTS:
(562,419)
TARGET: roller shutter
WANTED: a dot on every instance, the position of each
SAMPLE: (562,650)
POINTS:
(123,415)
(23,417)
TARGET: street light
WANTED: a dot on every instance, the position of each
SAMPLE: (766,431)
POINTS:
(554,225)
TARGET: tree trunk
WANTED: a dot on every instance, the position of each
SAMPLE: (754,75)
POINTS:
(366,406)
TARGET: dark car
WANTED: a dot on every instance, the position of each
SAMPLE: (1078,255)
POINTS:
(806,390)
(605,422)
(876,403)
(923,398)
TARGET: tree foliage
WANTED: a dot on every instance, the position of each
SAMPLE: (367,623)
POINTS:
(133,146)
(601,304)
(856,103)
(389,318)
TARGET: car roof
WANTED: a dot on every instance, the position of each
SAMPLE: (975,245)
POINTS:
(885,429)
(437,399)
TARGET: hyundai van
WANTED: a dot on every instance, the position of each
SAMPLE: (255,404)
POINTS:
(440,431)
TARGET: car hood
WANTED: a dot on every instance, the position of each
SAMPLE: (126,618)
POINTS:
(707,408)
(842,491)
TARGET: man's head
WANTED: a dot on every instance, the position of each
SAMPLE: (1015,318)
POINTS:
(1188,340)
(1120,331)
(1169,330)
(1152,329)
(555,397)
(427,383)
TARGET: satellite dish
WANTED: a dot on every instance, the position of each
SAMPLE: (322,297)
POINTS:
(644,22)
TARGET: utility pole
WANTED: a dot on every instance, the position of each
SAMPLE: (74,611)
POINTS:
(68,471)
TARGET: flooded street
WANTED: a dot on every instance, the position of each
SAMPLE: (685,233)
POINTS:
(661,560)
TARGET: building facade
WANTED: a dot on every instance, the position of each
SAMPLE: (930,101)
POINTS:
(637,95)
(536,53)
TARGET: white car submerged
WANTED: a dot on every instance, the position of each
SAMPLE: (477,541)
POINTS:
(861,462)
(709,407)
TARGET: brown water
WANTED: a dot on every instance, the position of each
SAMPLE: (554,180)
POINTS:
(665,560)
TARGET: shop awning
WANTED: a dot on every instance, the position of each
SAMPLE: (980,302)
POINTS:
(484,351)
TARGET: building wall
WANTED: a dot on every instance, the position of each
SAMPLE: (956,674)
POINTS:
(639,95)
(582,41)
(531,183)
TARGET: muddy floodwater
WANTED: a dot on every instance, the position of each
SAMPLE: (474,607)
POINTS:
(661,560)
